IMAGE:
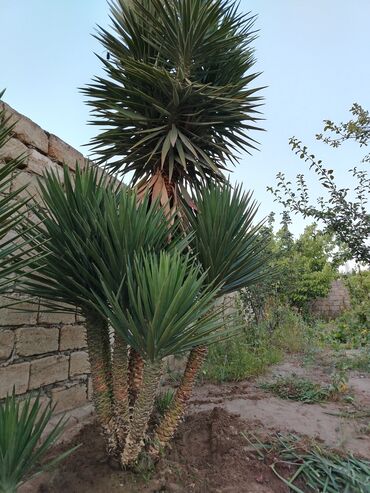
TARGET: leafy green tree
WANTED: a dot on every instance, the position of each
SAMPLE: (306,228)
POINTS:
(343,211)
(301,270)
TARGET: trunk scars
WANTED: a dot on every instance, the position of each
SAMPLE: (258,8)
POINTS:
(174,414)
(141,413)
(101,376)
(120,390)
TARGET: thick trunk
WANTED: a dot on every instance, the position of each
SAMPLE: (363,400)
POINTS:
(120,389)
(135,370)
(101,375)
(174,414)
(141,413)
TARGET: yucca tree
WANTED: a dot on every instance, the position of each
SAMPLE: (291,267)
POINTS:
(88,225)
(123,264)
(231,252)
(177,104)
(177,101)
(166,310)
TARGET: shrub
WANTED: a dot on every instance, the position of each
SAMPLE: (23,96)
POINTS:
(235,359)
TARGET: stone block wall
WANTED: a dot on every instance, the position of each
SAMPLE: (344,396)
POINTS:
(42,351)
(337,300)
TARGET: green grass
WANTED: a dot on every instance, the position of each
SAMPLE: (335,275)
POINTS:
(295,388)
(235,360)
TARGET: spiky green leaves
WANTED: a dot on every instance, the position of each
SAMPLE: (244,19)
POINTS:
(89,226)
(169,307)
(22,447)
(225,241)
(13,203)
(177,93)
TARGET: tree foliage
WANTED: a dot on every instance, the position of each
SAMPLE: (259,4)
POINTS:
(177,97)
(302,269)
(343,211)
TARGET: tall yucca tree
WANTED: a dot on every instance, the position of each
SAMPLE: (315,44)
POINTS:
(88,225)
(119,267)
(177,101)
(231,252)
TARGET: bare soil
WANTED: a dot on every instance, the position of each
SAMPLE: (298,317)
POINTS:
(210,454)
(339,425)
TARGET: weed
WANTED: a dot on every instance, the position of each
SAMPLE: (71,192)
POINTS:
(295,388)
(235,360)
(163,401)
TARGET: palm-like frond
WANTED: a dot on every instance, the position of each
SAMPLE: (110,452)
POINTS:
(225,241)
(22,447)
(87,225)
(177,95)
(169,306)
(12,209)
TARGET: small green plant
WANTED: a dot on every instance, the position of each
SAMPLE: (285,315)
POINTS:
(163,401)
(22,444)
(296,388)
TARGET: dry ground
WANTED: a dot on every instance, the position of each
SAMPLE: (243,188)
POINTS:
(210,455)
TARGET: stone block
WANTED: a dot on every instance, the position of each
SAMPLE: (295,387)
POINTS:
(16,376)
(38,163)
(28,180)
(72,337)
(43,401)
(14,149)
(36,340)
(48,370)
(67,398)
(79,363)
(64,153)
(56,317)
(26,130)
(15,316)
(6,343)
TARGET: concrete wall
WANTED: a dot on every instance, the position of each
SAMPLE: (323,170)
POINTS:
(337,300)
(38,350)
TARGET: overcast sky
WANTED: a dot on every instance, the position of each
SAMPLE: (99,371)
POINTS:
(314,55)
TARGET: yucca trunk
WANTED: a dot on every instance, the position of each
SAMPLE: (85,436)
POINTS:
(174,414)
(141,412)
(135,375)
(98,345)
(120,389)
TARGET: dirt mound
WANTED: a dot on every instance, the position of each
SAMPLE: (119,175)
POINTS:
(208,455)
